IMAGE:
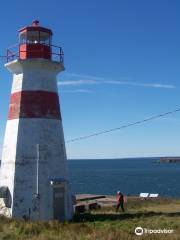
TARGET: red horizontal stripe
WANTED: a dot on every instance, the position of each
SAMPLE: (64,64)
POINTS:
(34,104)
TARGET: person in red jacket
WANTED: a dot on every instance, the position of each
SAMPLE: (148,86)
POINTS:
(120,201)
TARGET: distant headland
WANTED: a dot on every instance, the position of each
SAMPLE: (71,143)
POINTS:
(169,160)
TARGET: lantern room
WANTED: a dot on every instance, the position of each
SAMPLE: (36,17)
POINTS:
(35,42)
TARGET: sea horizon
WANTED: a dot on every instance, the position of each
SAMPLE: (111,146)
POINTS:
(122,158)
(129,175)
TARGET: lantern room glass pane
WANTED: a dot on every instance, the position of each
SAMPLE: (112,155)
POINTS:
(45,38)
(33,37)
(23,37)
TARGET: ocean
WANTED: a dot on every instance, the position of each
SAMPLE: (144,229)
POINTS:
(131,176)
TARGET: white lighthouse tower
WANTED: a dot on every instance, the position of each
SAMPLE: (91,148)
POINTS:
(33,176)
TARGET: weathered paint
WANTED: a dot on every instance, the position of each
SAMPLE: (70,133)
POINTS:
(34,104)
(33,81)
(41,67)
(20,155)
(8,159)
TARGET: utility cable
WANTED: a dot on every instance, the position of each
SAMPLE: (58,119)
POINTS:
(123,126)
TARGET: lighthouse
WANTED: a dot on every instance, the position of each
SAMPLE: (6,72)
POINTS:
(34,182)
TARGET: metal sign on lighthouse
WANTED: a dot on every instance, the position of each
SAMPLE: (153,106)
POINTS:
(34,176)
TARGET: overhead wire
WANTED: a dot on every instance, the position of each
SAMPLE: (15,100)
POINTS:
(123,126)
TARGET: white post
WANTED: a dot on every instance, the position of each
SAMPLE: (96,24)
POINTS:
(37,171)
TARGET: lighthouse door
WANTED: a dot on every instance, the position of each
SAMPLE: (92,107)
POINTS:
(59,202)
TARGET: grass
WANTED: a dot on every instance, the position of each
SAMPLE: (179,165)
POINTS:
(102,224)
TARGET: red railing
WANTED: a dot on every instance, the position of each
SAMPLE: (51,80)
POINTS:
(14,52)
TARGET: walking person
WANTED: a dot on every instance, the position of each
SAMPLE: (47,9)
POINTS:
(120,201)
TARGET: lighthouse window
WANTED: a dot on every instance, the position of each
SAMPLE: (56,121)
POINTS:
(33,37)
(45,38)
(23,38)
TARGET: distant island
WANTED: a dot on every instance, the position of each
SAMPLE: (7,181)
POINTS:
(169,160)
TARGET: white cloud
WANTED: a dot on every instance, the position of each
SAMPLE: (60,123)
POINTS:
(136,84)
(171,119)
(81,79)
(84,76)
(77,91)
(76,82)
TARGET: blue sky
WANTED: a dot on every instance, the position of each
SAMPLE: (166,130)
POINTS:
(122,61)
